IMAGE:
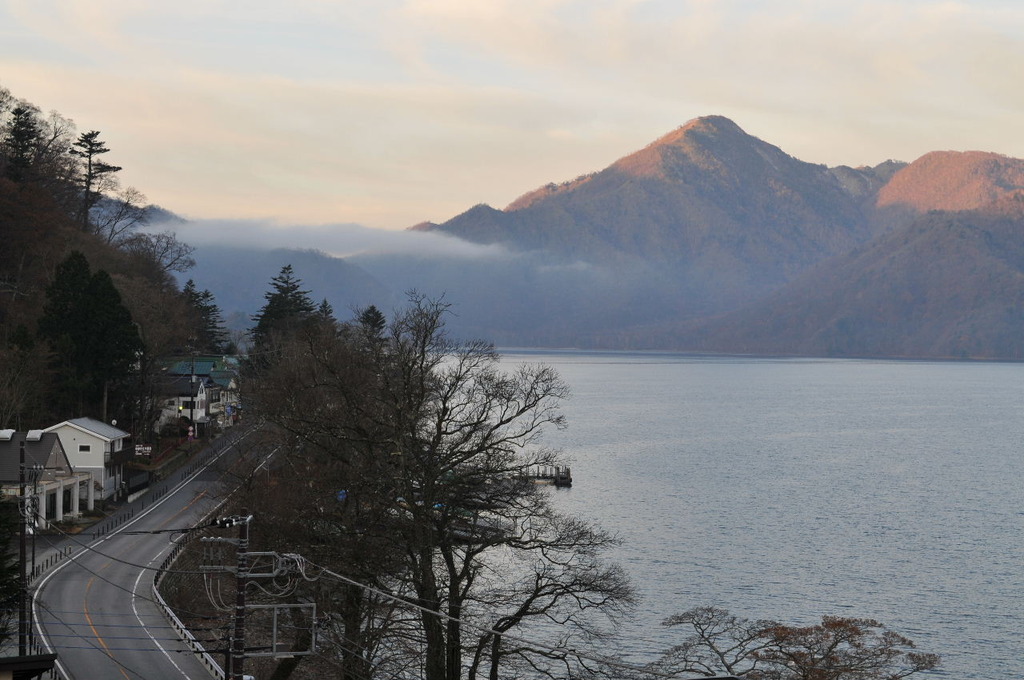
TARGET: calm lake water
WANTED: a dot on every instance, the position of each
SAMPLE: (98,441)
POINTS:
(791,489)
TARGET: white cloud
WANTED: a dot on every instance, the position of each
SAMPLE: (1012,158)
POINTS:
(390,112)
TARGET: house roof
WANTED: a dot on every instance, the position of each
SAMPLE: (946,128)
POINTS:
(179,385)
(223,378)
(94,427)
(205,364)
(38,447)
(188,367)
(26,667)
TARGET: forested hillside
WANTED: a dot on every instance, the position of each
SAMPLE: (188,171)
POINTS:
(88,302)
(720,242)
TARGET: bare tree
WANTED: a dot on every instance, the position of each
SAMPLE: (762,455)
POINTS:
(839,648)
(164,250)
(431,443)
(22,380)
(116,219)
(551,578)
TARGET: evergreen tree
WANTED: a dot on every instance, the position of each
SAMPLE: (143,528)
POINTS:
(96,175)
(91,334)
(20,141)
(211,335)
(287,309)
(373,321)
(325,312)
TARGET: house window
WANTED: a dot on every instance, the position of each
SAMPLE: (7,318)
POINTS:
(84,448)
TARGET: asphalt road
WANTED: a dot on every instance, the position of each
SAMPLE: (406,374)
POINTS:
(97,609)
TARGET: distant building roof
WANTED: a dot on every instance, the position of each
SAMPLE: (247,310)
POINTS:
(223,378)
(38,447)
(179,385)
(93,426)
(188,367)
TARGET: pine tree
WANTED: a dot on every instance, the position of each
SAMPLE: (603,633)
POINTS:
(211,335)
(287,309)
(20,141)
(372,320)
(325,312)
(91,333)
(96,175)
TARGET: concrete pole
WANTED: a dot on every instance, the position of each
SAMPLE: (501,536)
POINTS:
(241,579)
(23,510)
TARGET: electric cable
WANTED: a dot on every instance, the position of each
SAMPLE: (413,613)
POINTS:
(483,629)
(101,650)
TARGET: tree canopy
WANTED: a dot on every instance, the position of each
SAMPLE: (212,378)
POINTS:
(415,451)
(288,307)
(91,334)
(58,195)
(208,323)
(838,648)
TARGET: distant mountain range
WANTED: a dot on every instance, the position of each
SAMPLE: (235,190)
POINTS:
(712,240)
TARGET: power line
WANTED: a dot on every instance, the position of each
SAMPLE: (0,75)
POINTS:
(101,650)
(480,629)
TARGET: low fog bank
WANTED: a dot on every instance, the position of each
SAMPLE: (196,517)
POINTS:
(337,240)
(510,298)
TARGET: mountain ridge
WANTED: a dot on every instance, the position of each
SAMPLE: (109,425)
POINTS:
(711,240)
(732,222)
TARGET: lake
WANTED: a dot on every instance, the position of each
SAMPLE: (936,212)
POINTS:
(791,489)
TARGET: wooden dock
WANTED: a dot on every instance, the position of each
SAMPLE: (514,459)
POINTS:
(559,475)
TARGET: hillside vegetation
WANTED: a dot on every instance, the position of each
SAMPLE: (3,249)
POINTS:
(78,278)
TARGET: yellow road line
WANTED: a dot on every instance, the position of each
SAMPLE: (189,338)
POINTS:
(85,607)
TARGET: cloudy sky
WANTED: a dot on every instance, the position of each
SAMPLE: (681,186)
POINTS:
(390,112)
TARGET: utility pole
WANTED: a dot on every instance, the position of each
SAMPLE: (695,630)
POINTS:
(23,609)
(234,654)
(193,392)
(238,641)
(248,566)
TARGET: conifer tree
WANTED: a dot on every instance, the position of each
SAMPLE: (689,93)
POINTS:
(91,333)
(96,175)
(287,309)
(325,312)
(20,141)
(210,334)
(372,320)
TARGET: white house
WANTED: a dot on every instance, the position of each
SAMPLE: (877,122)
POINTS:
(95,447)
(49,476)
(202,389)
(184,396)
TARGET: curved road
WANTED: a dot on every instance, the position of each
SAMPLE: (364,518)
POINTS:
(96,609)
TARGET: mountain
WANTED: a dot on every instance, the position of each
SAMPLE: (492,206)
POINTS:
(757,252)
(726,214)
(947,282)
(950,284)
(954,181)
(710,240)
